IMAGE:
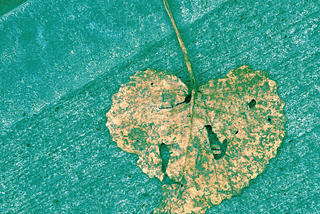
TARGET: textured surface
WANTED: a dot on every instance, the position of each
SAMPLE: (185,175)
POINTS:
(58,156)
(8,5)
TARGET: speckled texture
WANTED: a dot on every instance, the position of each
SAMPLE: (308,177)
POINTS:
(62,158)
(8,5)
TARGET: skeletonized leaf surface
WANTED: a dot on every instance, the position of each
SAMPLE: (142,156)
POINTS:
(219,140)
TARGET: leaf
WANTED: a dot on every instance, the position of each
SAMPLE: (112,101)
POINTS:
(220,136)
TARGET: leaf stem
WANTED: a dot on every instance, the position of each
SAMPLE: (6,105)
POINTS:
(192,91)
(183,48)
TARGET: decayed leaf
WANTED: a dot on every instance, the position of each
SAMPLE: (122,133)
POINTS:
(220,136)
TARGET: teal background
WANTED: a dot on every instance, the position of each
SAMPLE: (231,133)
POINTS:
(7,5)
(62,60)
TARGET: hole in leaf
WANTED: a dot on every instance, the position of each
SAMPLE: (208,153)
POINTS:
(151,84)
(187,99)
(252,104)
(219,149)
(165,156)
(269,119)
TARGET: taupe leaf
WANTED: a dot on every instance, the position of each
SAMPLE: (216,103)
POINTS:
(220,136)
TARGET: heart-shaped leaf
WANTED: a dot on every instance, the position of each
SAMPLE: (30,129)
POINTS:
(220,136)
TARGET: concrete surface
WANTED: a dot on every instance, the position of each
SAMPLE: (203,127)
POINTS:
(61,61)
